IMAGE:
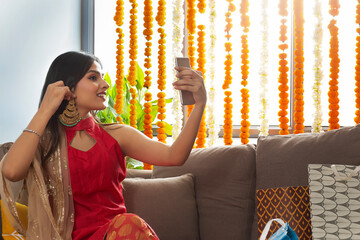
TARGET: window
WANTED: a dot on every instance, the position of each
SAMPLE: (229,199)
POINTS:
(105,45)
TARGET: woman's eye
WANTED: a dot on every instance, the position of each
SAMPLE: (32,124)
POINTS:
(93,78)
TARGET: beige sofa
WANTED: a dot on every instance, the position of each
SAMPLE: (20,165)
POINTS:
(212,196)
(222,204)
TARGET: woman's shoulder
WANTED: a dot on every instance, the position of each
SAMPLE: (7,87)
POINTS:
(112,127)
(118,131)
(115,129)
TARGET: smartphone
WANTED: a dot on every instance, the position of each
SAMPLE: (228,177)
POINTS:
(185,96)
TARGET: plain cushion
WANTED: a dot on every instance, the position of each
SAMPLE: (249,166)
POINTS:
(225,189)
(282,161)
(168,205)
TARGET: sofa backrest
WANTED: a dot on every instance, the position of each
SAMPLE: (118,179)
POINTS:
(225,189)
(282,161)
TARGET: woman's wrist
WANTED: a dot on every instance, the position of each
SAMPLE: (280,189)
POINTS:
(43,114)
(200,105)
(39,121)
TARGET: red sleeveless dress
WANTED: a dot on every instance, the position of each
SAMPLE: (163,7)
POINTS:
(96,177)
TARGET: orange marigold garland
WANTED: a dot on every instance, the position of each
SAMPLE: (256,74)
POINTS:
(191,27)
(160,18)
(201,6)
(119,20)
(357,67)
(283,72)
(133,56)
(228,78)
(245,23)
(299,66)
(334,67)
(201,137)
(228,106)
(148,24)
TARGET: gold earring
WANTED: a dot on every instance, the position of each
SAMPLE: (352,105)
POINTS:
(70,117)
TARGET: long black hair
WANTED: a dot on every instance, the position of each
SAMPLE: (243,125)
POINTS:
(70,67)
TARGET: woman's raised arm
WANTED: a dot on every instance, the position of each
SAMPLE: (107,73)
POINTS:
(138,146)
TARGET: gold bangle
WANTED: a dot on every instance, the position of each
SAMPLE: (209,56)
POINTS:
(32,131)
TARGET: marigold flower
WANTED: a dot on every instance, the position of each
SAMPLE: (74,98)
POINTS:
(357,71)
(283,69)
(334,67)
(119,18)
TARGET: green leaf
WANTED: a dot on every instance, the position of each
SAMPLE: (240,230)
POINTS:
(168,129)
(113,111)
(139,77)
(127,91)
(167,100)
(106,119)
(154,112)
(126,113)
(108,80)
(133,163)
(110,115)
(139,110)
(140,123)
(113,93)
(111,102)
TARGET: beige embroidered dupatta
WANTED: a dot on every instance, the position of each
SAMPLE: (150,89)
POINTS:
(50,202)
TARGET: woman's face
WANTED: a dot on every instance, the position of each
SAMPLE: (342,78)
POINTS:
(90,92)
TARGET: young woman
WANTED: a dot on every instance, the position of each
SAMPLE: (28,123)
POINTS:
(73,165)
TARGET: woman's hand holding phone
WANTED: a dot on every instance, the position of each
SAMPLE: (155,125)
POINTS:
(190,83)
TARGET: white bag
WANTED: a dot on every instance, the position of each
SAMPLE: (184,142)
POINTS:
(334,201)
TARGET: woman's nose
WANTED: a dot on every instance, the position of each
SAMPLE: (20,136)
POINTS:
(105,85)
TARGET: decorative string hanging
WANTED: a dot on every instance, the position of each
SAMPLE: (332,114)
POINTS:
(133,56)
(245,23)
(201,6)
(228,78)
(357,68)
(299,66)
(213,127)
(191,27)
(177,46)
(201,136)
(119,20)
(334,67)
(148,24)
(263,72)
(283,71)
(160,18)
(318,73)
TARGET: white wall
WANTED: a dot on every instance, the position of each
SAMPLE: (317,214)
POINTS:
(32,34)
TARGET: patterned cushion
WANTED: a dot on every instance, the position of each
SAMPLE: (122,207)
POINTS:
(291,204)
